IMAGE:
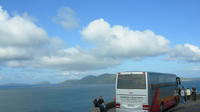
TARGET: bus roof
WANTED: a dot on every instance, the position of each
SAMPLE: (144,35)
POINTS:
(142,72)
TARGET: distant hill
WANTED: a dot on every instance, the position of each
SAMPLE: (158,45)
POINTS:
(101,79)
(105,79)
(15,84)
(189,79)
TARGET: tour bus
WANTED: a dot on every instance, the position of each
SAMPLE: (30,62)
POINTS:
(146,91)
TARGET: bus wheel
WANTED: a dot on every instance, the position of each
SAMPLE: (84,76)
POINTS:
(161,107)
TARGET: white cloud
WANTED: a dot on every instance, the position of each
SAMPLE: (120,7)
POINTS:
(38,50)
(186,52)
(23,43)
(74,74)
(66,17)
(21,40)
(121,42)
(76,59)
(19,37)
(17,63)
(13,53)
(112,44)
(18,31)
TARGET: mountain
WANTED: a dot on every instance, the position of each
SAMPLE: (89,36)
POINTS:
(101,79)
(105,79)
(15,84)
(189,79)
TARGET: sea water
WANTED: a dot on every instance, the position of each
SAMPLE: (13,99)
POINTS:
(68,98)
(59,98)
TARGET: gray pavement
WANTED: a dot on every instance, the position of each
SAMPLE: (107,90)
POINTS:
(190,106)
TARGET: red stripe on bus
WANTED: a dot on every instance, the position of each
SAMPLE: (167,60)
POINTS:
(170,102)
(155,104)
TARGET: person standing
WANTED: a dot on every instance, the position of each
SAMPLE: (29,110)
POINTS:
(183,95)
(195,94)
(188,94)
(194,91)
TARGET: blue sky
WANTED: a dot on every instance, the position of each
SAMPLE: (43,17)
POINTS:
(53,40)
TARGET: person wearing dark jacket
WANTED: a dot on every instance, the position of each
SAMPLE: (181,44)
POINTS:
(194,94)
(101,104)
(95,102)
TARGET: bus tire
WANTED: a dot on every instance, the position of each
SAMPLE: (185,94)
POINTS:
(162,107)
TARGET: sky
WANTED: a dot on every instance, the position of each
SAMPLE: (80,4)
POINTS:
(55,40)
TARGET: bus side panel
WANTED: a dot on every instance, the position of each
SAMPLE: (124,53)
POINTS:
(154,92)
(168,89)
(162,89)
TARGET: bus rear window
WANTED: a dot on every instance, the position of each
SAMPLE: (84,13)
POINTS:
(131,81)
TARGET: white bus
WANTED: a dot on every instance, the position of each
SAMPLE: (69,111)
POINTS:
(146,91)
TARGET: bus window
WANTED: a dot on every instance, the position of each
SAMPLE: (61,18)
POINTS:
(131,81)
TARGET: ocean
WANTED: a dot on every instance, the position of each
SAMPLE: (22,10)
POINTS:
(58,98)
(55,98)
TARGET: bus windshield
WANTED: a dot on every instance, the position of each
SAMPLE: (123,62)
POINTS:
(131,81)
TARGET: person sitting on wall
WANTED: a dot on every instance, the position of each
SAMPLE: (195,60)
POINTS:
(95,102)
(102,106)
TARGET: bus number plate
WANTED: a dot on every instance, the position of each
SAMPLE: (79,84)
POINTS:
(131,105)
